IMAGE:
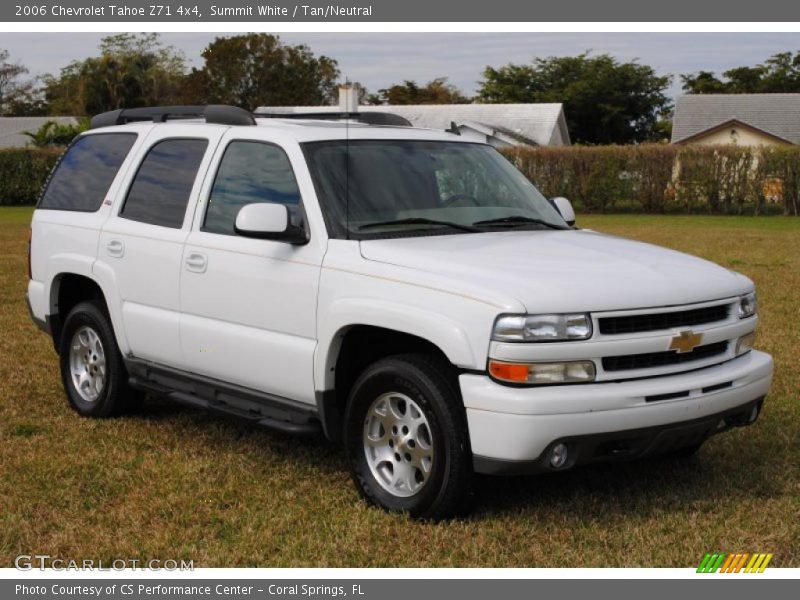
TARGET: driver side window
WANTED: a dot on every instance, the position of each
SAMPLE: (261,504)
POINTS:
(250,172)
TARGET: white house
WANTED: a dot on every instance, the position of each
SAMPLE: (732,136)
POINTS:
(497,124)
(744,119)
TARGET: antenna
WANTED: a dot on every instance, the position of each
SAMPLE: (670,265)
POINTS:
(345,91)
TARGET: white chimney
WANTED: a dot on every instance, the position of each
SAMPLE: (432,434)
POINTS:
(348,98)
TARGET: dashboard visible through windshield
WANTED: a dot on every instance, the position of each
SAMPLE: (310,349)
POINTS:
(390,188)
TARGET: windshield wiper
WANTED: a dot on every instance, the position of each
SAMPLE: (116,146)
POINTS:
(515,220)
(420,221)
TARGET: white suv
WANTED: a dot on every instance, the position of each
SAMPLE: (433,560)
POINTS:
(403,290)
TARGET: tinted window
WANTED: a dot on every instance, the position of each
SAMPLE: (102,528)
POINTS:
(160,191)
(82,178)
(250,172)
(366,186)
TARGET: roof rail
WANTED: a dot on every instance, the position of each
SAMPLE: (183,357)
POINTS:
(220,114)
(369,117)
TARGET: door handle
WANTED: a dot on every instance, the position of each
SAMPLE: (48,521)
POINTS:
(115,248)
(196,262)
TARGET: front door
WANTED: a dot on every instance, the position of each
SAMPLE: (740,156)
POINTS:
(249,305)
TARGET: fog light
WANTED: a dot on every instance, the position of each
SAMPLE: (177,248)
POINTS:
(745,343)
(753,414)
(558,456)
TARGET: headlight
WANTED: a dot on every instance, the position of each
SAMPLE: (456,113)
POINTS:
(542,328)
(579,371)
(748,305)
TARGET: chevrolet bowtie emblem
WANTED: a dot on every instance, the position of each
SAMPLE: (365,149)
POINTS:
(685,341)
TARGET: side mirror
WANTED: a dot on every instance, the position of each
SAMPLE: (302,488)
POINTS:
(564,207)
(268,221)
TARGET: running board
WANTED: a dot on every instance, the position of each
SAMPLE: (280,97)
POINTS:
(258,408)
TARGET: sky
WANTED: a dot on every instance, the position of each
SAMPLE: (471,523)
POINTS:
(378,60)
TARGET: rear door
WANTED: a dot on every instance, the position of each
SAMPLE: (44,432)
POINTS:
(249,305)
(142,242)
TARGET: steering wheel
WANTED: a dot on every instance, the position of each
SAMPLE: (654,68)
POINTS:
(459,200)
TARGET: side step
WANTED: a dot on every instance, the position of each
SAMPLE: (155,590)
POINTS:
(258,408)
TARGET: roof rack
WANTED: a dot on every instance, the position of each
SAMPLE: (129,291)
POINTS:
(220,114)
(369,117)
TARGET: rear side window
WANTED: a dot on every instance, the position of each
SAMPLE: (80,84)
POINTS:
(250,172)
(162,186)
(84,174)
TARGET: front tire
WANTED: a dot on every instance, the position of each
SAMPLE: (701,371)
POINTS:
(406,438)
(92,371)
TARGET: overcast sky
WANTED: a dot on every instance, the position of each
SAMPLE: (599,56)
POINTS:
(380,59)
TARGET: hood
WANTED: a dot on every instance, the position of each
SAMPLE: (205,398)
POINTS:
(563,271)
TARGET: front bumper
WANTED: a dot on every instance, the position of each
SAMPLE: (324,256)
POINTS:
(512,428)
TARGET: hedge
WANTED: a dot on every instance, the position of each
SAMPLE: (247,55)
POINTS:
(650,178)
(23,171)
(660,178)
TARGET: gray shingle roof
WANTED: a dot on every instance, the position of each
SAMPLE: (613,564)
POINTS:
(542,123)
(12,129)
(778,114)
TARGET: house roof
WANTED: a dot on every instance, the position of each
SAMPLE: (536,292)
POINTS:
(12,129)
(543,124)
(777,115)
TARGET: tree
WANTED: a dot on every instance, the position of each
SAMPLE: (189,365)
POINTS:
(52,134)
(437,91)
(258,69)
(605,101)
(132,70)
(778,74)
(17,97)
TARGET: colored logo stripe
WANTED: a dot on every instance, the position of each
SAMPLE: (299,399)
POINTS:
(711,562)
(734,563)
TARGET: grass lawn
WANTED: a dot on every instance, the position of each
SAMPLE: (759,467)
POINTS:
(175,483)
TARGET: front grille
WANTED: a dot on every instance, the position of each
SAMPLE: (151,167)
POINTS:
(665,320)
(662,359)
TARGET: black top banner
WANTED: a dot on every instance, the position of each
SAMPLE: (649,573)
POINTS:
(400,10)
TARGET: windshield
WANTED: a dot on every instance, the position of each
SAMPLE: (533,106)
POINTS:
(381,188)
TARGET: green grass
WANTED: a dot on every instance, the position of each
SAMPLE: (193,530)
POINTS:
(175,483)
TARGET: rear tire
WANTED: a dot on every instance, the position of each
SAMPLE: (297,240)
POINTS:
(92,371)
(406,438)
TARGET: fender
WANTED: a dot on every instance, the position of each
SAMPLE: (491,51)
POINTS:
(85,266)
(105,277)
(64,264)
(445,333)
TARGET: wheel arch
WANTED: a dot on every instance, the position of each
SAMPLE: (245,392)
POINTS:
(355,346)
(67,289)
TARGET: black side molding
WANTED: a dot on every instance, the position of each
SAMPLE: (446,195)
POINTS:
(258,408)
